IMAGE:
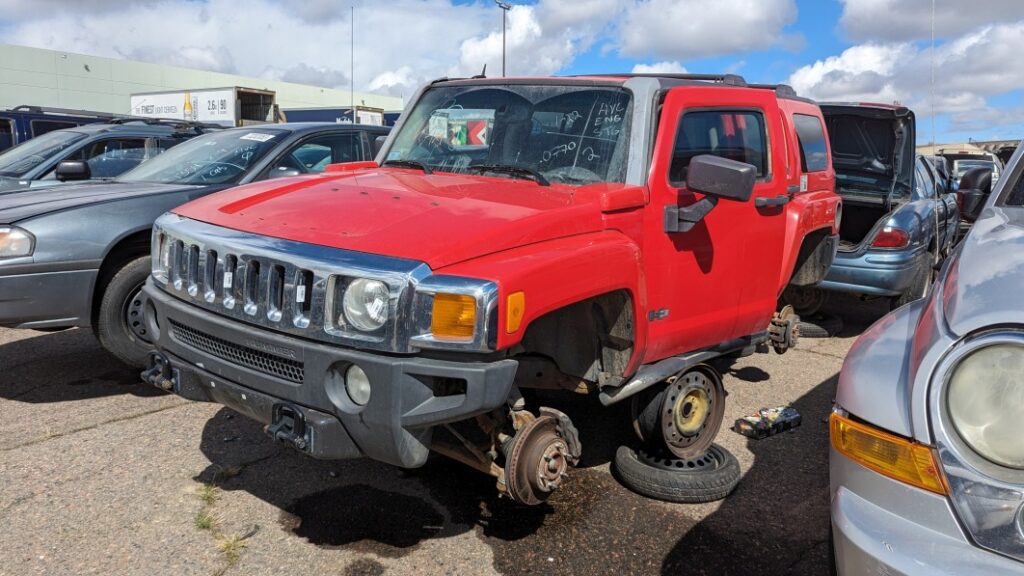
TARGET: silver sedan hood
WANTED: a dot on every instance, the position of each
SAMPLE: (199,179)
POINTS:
(985,282)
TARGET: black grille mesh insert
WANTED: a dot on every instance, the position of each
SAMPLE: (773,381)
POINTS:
(272,364)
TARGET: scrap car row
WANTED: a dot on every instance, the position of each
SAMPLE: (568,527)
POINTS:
(366,293)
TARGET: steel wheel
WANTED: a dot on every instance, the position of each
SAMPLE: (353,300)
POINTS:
(132,315)
(685,416)
(805,300)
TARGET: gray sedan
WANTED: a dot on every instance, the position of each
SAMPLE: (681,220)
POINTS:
(927,462)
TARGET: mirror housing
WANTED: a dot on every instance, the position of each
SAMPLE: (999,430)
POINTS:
(975,187)
(378,144)
(73,171)
(715,177)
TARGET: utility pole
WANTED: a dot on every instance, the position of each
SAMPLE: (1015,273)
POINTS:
(352,69)
(505,7)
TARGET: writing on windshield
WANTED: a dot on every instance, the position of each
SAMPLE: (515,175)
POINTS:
(572,135)
(216,158)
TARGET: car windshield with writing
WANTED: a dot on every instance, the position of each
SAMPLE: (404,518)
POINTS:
(217,158)
(19,160)
(571,135)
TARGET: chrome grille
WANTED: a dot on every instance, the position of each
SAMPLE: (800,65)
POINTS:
(280,284)
(284,368)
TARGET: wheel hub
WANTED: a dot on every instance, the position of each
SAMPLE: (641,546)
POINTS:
(537,461)
(691,411)
(133,316)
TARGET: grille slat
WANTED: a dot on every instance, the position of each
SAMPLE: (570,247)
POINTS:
(258,360)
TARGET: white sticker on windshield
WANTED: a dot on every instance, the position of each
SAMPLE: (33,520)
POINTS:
(256,136)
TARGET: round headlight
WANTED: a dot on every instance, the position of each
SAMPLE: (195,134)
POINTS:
(366,304)
(986,402)
(357,384)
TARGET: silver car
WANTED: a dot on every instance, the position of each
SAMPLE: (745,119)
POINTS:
(927,455)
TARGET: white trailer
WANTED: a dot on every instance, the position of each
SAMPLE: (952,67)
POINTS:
(234,106)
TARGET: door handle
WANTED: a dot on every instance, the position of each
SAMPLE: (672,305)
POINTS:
(771,202)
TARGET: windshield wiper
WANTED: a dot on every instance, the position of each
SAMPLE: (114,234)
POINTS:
(409,164)
(511,170)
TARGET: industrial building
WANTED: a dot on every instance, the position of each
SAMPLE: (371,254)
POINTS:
(53,78)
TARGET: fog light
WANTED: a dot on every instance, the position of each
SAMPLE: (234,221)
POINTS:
(357,384)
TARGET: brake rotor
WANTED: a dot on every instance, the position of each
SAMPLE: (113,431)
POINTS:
(537,461)
(691,413)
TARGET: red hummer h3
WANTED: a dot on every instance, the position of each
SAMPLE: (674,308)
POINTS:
(606,235)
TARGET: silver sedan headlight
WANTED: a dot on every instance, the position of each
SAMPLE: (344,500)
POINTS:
(365,304)
(986,402)
(15,242)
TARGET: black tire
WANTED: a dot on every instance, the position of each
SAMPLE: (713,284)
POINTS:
(112,319)
(918,289)
(821,326)
(707,478)
(805,300)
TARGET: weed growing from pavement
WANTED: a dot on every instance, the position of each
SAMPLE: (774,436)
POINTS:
(231,547)
(205,519)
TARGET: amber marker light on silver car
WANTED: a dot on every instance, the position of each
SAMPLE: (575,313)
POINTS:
(887,454)
(15,242)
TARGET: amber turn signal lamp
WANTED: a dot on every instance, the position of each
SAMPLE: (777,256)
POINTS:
(454,317)
(516,309)
(887,454)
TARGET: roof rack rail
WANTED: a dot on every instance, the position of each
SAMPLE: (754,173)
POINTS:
(728,79)
(65,111)
(784,90)
(164,122)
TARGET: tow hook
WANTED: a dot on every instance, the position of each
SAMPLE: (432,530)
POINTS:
(159,373)
(784,330)
(288,426)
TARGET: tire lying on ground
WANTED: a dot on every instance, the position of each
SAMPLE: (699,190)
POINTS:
(706,478)
(820,326)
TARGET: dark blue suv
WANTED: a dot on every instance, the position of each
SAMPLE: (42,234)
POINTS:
(93,151)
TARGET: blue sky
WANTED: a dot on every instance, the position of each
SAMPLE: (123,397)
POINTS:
(853,50)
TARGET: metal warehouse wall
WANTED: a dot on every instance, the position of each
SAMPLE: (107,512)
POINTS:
(62,79)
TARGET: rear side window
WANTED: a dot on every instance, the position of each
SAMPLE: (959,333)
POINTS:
(6,134)
(811,135)
(734,134)
(40,127)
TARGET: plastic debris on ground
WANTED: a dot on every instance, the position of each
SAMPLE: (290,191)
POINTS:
(767,422)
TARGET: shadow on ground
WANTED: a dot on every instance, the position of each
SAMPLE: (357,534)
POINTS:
(775,523)
(64,366)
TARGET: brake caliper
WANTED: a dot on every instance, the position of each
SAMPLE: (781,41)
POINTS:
(784,330)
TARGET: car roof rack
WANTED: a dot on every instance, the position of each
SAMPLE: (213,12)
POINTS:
(64,111)
(164,122)
(784,90)
(727,79)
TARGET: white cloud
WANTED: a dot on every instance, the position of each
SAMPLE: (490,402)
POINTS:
(681,29)
(902,20)
(666,67)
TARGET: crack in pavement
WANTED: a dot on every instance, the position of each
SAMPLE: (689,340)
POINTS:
(94,426)
(816,352)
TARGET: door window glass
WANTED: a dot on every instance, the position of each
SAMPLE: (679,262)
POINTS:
(811,135)
(312,156)
(923,184)
(40,127)
(733,134)
(6,134)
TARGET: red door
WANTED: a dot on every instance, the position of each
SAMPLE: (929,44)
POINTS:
(719,280)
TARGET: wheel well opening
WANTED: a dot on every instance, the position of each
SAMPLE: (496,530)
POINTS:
(580,346)
(127,249)
(807,270)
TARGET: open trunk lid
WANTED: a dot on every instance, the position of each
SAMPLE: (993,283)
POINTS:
(873,156)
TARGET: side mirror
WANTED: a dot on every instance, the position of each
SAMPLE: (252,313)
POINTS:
(378,144)
(975,186)
(73,170)
(282,172)
(715,177)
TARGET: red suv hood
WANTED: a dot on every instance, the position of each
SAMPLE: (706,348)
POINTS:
(439,219)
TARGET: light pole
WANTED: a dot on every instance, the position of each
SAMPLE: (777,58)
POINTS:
(505,7)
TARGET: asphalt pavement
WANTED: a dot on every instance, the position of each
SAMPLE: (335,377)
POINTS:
(100,474)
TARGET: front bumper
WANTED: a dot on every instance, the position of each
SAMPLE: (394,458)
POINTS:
(269,376)
(47,299)
(882,526)
(874,272)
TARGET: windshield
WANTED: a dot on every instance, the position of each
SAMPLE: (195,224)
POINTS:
(568,134)
(24,157)
(962,166)
(217,158)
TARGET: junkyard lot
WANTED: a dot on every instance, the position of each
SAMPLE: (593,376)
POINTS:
(101,475)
